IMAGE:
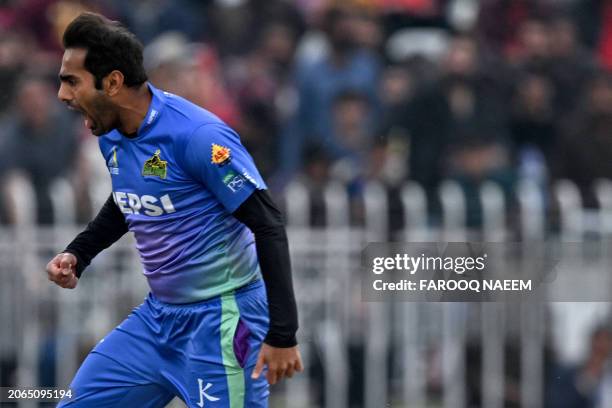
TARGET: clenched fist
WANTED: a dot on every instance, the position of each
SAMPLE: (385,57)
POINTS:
(62,270)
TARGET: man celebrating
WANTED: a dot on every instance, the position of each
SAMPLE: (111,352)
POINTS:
(206,230)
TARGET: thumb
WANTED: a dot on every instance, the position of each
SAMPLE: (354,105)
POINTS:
(258,367)
(73,282)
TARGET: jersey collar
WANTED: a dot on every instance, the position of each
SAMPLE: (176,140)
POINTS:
(158,100)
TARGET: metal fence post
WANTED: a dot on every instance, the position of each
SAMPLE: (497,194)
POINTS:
(454,315)
(378,328)
(297,205)
(493,314)
(337,287)
(297,208)
(414,202)
(28,321)
(532,210)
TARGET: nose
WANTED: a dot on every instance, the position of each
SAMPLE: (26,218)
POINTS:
(63,94)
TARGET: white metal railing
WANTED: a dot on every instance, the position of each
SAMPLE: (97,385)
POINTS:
(396,338)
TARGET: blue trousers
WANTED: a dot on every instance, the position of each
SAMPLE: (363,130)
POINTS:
(202,352)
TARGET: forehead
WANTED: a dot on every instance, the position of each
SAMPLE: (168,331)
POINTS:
(73,61)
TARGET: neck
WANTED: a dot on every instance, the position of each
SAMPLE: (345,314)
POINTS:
(133,109)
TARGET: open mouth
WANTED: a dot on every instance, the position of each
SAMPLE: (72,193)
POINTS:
(89,123)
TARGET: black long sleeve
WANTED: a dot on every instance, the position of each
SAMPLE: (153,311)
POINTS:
(259,213)
(108,226)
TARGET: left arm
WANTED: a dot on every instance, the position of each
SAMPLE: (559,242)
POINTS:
(263,218)
(280,352)
(213,155)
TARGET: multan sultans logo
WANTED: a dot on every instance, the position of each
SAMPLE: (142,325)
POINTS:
(113,165)
(155,166)
(220,155)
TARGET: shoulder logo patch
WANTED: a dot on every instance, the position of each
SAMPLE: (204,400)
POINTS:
(220,155)
(155,166)
(233,181)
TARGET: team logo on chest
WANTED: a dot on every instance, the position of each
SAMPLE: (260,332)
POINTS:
(155,166)
(220,155)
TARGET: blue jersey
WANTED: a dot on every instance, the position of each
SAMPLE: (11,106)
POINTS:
(177,183)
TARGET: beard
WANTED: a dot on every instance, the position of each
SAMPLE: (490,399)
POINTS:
(103,118)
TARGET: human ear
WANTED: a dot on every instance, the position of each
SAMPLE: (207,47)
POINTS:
(112,83)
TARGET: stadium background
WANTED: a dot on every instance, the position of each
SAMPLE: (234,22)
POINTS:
(371,120)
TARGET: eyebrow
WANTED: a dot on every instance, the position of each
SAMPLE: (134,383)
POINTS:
(64,77)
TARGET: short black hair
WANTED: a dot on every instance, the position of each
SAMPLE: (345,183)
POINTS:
(110,46)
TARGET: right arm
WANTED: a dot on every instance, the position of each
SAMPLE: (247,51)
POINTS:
(108,226)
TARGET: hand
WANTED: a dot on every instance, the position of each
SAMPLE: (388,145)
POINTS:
(281,362)
(61,270)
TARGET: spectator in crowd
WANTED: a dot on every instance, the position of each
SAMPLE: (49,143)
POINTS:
(149,18)
(533,52)
(47,19)
(551,69)
(442,115)
(34,14)
(479,155)
(572,64)
(351,140)
(501,22)
(397,88)
(261,83)
(236,24)
(38,140)
(346,66)
(14,48)
(594,20)
(351,157)
(584,151)
(580,386)
(533,126)
(315,176)
(191,70)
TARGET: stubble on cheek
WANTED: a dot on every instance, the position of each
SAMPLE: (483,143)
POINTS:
(103,115)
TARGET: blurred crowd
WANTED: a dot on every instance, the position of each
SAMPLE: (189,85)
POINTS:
(351,90)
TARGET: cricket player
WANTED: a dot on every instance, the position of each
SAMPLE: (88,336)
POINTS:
(220,321)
